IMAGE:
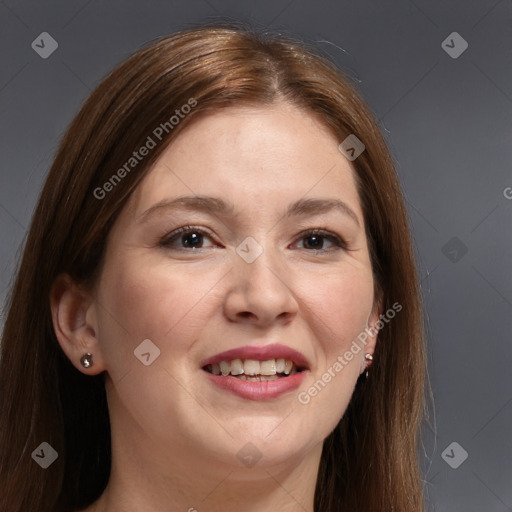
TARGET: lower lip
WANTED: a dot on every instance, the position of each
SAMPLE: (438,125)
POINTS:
(257,390)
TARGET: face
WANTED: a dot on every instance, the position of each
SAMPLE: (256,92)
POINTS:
(246,236)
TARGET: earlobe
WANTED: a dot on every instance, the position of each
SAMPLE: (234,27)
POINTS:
(74,323)
(372,330)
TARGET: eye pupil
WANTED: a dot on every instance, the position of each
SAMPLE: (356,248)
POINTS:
(314,241)
(192,240)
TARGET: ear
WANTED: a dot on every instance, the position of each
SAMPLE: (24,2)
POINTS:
(75,325)
(373,326)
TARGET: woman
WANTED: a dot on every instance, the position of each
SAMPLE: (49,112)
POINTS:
(219,253)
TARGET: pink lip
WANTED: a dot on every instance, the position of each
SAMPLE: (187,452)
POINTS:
(259,353)
(252,390)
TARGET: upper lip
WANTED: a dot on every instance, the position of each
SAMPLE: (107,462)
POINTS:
(260,353)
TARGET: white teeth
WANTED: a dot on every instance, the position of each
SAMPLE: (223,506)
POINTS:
(251,367)
(280,365)
(268,367)
(237,367)
(225,367)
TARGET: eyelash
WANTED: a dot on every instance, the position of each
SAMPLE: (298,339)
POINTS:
(338,242)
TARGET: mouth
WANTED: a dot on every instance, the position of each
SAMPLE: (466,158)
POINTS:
(254,370)
(257,373)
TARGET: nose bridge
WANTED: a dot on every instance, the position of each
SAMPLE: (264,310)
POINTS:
(261,287)
(260,260)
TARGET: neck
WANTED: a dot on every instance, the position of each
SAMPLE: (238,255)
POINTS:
(148,477)
(204,487)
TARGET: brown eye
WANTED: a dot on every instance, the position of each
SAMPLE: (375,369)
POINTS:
(186,238)
(314,242)
(192,239)
(317,240)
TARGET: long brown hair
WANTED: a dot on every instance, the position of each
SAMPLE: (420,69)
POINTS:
(370,460)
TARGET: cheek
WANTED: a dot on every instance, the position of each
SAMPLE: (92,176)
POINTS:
(339,307)
(337,313)
(153,302)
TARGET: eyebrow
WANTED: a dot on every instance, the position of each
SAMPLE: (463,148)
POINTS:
(304,207)
(207,204)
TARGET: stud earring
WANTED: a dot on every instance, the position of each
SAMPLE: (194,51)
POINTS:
(369,360)
(86,360)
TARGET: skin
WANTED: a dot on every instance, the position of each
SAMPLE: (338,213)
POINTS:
(175,437)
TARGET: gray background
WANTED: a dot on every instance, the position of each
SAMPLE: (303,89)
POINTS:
(448,124)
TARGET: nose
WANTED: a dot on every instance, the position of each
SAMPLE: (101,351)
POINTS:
(260,293)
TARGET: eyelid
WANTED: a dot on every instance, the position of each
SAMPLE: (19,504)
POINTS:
(336,239)
(339,242)
(166,240)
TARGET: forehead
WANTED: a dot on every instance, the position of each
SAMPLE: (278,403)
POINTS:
(251,155)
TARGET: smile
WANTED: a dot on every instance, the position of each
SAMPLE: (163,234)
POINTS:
(254,370)
(257,373)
